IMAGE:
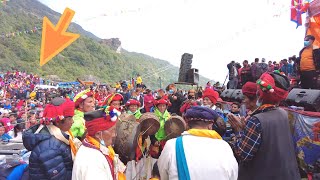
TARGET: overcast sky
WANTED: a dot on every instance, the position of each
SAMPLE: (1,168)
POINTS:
(215,32)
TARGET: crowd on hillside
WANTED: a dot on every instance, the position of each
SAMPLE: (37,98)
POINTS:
(132,132)
(303,71)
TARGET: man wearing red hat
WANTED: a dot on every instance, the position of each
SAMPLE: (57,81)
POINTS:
(133,107)
(51,142)
(265,139)
(84,102)
(210,98)
(249,91)
(96,158)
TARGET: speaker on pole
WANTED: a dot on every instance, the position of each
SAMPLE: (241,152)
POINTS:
(193,76)
(185,66)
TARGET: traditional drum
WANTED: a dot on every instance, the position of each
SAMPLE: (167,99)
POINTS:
(149,124)
(127,137)
(174,127)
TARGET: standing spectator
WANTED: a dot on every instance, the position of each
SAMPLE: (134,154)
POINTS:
(139,80)
(255,69)
(176,99)
(265,140)
(287,68)
(270,67)
(263,66)
(200,153)
(245,73)
(208,85)
(148,100)
(309,63)
(291,61)
(233,75)
(276,66)
(51,142)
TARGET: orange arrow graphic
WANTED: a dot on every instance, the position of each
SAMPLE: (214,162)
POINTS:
(56,39)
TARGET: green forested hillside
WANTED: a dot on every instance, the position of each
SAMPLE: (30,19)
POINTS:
(84,57)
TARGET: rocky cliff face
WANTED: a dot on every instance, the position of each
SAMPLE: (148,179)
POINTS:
(114,43)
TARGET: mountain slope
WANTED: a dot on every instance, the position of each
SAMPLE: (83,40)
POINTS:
(84,57)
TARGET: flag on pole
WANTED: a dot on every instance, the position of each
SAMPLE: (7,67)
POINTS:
(298,7)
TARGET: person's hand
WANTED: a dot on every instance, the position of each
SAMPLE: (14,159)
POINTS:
(237,123)
(174,97)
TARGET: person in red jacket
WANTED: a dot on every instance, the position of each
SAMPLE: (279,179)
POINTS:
(190,102)
(148,101)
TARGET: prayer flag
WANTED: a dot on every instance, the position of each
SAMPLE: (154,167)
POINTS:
(298,7)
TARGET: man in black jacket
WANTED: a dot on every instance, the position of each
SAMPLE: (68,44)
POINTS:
(176,99)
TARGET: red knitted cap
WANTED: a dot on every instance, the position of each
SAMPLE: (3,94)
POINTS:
(211,94)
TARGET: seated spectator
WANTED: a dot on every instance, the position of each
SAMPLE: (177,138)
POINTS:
(235,108)
(3,135)
(17,132)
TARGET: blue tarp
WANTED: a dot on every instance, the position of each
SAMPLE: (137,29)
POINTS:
(69,84)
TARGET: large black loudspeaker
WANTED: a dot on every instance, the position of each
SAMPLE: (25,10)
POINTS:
(307,98)
(226,94)
(185,66)
(232,95)
(193,76)
(237,95)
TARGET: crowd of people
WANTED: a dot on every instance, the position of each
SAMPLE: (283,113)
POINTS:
(71,136)
(303,70)
(70,132)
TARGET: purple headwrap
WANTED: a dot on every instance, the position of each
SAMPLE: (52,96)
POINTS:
(200,113)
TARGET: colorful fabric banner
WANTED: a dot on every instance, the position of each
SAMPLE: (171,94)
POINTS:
(298,7)
(306,136)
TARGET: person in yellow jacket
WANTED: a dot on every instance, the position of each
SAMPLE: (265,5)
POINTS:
(33,95)
(84,102)
(139,79)
(118,85)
